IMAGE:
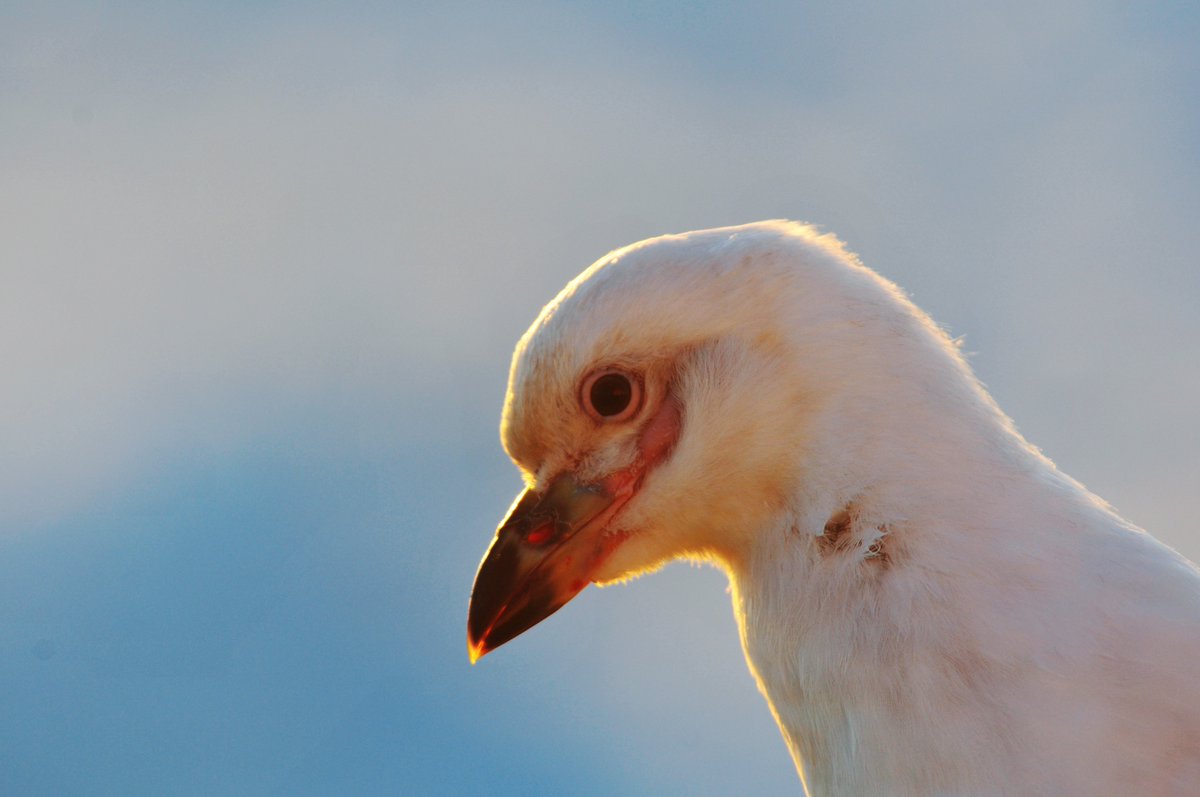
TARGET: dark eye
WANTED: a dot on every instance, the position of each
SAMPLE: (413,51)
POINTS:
(611,395)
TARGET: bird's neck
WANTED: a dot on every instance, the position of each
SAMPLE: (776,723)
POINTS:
(854,686)
(855,638)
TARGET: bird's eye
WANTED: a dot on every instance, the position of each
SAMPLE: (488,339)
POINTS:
(611,395)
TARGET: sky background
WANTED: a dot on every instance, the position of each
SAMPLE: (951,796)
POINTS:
(262,267)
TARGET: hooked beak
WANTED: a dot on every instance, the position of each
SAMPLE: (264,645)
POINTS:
(543,554)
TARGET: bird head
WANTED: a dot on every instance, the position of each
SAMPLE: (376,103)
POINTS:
(661,406)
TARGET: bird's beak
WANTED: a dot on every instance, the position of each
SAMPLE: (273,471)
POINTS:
(544,554)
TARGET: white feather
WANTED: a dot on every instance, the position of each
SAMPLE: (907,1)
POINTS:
(929,606)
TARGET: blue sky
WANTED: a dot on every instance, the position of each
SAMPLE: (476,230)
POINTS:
(261,269)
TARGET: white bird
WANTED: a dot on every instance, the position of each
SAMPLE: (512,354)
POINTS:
(928,604)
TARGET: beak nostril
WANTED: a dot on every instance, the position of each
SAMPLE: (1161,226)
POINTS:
(540,534)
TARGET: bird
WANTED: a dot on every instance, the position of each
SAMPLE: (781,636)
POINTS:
(928,604)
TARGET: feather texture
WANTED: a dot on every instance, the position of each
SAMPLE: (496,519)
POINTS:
(928,604)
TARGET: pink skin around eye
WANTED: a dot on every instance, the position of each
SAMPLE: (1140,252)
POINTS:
(660,434)
(654,442)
